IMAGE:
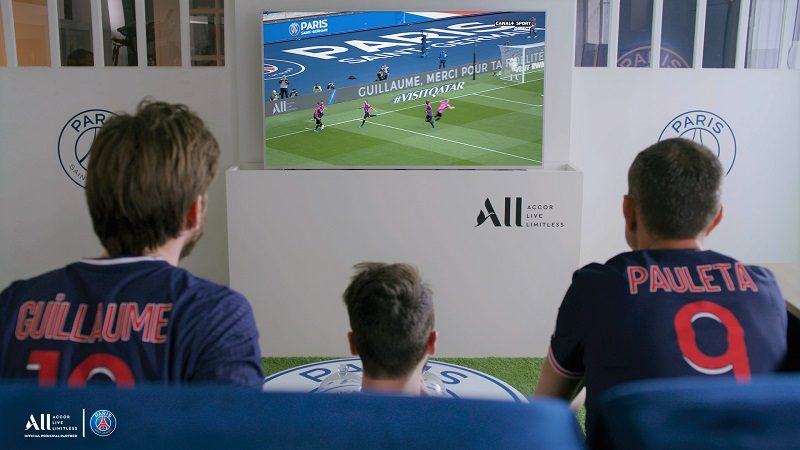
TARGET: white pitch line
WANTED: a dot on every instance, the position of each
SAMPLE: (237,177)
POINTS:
(455,142)
(506,100)
(402,109)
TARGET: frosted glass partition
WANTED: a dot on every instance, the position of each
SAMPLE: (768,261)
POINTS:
(31,32)
(591,33)
(163,33)
(722,22)
(119,33)
(635,33)
(764,34)
(75,32)
(677,33)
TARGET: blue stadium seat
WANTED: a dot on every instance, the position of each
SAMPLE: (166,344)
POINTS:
(700,413)
(212,417)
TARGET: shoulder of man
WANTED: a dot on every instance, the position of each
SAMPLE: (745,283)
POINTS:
(205,293)
(594,270)
(22,287)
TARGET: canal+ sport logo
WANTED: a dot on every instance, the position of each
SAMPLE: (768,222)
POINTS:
(706,128)
(75,142)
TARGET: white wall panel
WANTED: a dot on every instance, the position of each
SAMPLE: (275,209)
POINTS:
(45,219)
(295,235)
(617,113)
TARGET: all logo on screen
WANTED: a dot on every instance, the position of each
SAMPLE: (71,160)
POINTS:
(707,128)
(75,141)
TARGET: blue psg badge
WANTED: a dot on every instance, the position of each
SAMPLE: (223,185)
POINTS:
(103,422)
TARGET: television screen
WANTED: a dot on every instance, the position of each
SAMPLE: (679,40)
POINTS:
(403,89)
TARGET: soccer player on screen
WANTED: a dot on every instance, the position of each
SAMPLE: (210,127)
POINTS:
(367,109)
(319,111)
(429,114)
(445,104)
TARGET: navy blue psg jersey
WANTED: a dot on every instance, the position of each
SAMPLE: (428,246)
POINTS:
(128,321)
(668,313)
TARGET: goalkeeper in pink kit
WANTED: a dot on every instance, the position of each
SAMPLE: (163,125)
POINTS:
(319,111)
(367,108)
(445,104)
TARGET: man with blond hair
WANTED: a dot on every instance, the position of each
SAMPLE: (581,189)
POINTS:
(132,316)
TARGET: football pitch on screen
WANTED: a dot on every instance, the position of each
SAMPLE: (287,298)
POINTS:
(494,123)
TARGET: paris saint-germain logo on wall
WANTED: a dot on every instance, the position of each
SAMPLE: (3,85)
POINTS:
(707,128)
(75,141)
(294,28)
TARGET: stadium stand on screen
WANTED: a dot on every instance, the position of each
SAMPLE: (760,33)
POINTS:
(488,99)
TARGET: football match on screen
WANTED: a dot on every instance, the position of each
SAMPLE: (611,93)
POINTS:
(403,89)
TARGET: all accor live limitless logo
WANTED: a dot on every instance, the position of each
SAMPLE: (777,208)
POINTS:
(42,425)
(491,214)
(535,215)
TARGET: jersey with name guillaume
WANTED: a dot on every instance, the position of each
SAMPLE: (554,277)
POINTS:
(668,313)
(130,320)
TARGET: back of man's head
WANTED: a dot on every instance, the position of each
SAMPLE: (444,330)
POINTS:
(391,316)
(145,171)
(677,185)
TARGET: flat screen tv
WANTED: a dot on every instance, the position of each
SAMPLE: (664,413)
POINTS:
(395,89)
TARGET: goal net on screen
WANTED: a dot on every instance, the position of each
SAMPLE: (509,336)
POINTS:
(518,62)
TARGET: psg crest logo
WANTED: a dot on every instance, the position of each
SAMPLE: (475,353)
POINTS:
(344,375)
(707,128)
(103,422)
(75,141)
(640,57)
(276,68)
(294,28)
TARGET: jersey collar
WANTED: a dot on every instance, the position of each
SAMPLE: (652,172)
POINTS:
(120,260)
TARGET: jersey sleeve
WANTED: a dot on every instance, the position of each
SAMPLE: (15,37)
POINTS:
(230,353)
(568,341)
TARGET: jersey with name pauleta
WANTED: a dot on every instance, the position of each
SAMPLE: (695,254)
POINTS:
(668,313)
(130,320)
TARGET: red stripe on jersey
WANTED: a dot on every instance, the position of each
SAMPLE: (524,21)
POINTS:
(561,370)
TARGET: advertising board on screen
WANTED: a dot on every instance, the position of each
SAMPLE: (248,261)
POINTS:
(403,89)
